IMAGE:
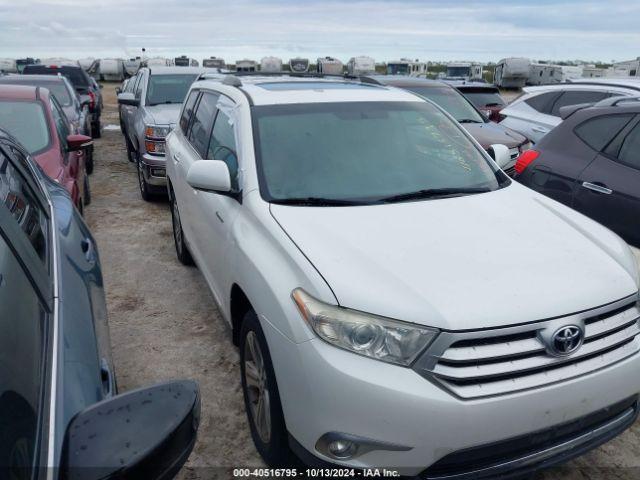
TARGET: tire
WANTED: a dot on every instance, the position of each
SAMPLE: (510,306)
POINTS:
(270,433)
(95,129)
(87,191)
(131,153)
(89,160)
(182,251)
(145,191)
(80,207)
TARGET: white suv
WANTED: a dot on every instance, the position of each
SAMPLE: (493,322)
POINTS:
(397,300)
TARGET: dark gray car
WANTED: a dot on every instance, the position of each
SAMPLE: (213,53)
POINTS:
(60,414)
(591,162)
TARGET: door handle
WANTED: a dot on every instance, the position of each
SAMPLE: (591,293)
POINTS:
(594,187)
(89,250)
(540,129)
(176,157)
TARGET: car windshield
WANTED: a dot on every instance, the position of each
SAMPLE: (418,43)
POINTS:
(485,98)
(451,101)
(26,121)
(169,88)
(76,76)
(365,152)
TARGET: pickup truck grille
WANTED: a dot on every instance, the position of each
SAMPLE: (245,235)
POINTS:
(481,363)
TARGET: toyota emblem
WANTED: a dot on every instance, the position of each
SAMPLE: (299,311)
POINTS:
(566,340)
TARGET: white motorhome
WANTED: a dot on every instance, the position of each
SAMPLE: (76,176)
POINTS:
(361,65)
(512,72)
(571,72)
(112,70)
(405,66)
(299,65)
(629,68)
(157,62)
(184,61)
(544,74)
(246,65)
(591,71)
(464,70)
(214,62)
(330,66)
(132,65)
(271,64)
(8,65)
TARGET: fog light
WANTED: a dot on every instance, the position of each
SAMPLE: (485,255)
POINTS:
(342,448)
(158,172)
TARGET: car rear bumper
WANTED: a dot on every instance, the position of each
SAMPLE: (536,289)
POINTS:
(324,389)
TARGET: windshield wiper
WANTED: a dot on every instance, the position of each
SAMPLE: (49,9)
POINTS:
(316,201)
(433,193)
(469,120)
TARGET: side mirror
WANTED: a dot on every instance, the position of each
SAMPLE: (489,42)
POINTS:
(128,98)
(78,142)
(500,153)
(210,176)
(146,433)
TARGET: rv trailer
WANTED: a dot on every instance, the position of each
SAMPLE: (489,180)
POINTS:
(330,66)
(157,62)
(8,65)
(464,71)
(246,65)
(405,66)
(214,62)
(271,64)
(512,72)
(361,65)
(629,68)
(184,61)
(591,71)
(544,74)
(299,65)
(132,65)
(571,72)
(112,70)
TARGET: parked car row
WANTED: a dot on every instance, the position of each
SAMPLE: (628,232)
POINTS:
(331,221)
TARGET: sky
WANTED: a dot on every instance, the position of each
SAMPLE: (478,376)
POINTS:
(485,30)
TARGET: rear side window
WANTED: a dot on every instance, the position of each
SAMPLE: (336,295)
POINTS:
(61,126)
(223,146)
(187,111)
(542,103)
(202,123)
(598,132)
(630,150)
(27,122)
(576,98)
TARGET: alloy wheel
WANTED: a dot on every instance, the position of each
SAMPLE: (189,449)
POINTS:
(255,375)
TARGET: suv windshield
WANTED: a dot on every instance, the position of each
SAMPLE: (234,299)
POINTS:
(168,88)
(450,100)
(76,75)
(365,152)
(26,122)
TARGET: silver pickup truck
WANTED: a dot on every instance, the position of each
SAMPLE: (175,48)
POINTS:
(149,111)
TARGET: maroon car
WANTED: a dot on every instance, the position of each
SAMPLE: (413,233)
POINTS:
(36,119)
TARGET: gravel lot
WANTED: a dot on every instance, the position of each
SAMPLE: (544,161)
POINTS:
(165,325)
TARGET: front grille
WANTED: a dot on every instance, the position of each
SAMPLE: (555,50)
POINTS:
(537,449)
(489,362)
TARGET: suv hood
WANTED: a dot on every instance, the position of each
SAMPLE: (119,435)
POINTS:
(490,133)
(486,260)
(167,114)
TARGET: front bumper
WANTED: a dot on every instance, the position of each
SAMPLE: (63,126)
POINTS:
(154,169)
(325,389)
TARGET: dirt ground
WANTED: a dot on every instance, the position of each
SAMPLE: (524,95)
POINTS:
(165,325)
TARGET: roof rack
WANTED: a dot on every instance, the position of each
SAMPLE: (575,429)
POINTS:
(614,101)
(233,79)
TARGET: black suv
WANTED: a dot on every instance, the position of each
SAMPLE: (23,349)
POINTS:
(85,85)
(591,162)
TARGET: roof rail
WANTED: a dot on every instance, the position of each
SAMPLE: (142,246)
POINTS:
(614,101)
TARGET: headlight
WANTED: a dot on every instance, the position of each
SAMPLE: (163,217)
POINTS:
(156,131)
(156,147)
(377,337)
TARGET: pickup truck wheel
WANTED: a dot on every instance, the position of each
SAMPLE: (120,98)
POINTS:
(261,396)
(131,153)
(182,251)
(89,160)
(145,192)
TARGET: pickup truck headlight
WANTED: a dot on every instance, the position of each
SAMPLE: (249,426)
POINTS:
(373,336)
(156,131)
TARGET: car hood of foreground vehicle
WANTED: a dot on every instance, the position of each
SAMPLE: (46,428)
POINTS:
(165,114)
(487,260)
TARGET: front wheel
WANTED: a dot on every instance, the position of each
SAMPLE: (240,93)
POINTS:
(178,234)
(145,191)
(261,396)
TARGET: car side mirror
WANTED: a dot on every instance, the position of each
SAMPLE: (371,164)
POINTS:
(146,433)
(128,98)
(210,176)
(77,142)
(500,153)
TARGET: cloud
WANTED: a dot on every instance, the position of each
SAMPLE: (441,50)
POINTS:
(426,29)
